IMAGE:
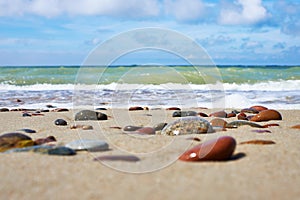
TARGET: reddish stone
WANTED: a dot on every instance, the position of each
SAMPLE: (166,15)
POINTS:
(218,122)
(44,140)
(296,126)
(242,116)
(135,108)
(221,114)
(229,115)
(202,114)
(173,108)
(146,130)
(219,149)
(259,108)
(266,115)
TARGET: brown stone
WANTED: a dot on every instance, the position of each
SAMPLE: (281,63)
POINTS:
(173,108)
(217,122)
(221,114)
(266,115)
(249,110)
(14,140)
(259,108)
(261,142)
(136,108)
(242,116)
(229,115)
(146,130)
(219,149)
(201,114)
(296,126)
(41,141)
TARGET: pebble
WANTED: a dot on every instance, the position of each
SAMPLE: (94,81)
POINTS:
(41,141)
(266,115)
(187,125)
(160,126)
(201,114)
(146,130)
(89,115)
(50,150)
(60,122)
(27,130)
(128,158)
(296,126)
(194,138)
(261,142)
(221,114)
(261,131)
(83,127)
(4,110)
(88,145)
(238,123)
(173,108)
(217,122)
(101,109)
(135,108)
(259,108)
(184,113)
(26,115)
(249,110)
(242,116)
(229,115)
(131,128)
(219,149)
(60,110)
(14,140)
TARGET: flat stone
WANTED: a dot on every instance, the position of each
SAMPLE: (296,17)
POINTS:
(187,125)
(85,115)
(88,144)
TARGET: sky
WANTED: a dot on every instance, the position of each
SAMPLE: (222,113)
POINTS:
(65,32)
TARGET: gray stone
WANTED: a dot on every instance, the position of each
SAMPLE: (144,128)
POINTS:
(89,115)
(88,144)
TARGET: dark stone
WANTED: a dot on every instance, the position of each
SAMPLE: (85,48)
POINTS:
(184,113)
(60,110)
(60,122)
(201,114)
(50,106)
(101,109)
(4,110)
(62,151)
(136,108)
(173,108)
(131,128)
(26,115)
(90,115)
(26,130)
(159,126)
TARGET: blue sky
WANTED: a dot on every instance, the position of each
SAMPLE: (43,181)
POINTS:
(64,32)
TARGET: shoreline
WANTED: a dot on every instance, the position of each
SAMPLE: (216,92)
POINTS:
(261,171)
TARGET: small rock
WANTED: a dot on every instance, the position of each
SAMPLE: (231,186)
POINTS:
(249,110)
(173,108)
(266,115)
(26,114)
(41,141)
(14,140)
(87,127)
(259,108)
(261,142)
(50,106)
(27,130)
(187,125)
(184,113)
(60,110)
(61,151)
(242,116)
(4,110)
(221,114)
(217,122)
(101,109)
(127,158)
(160,126)
(146,130)
(261,131)
(50,150)
(90,115)
(89,145)
(219,149)
(201,114)
(296,126)
(60,122)
(135,108)
(229,115)
(131,128)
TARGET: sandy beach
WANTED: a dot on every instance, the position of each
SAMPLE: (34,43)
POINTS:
(257,172)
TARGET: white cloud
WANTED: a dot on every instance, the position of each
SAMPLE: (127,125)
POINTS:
(184,10)
(52,8)
(243,12)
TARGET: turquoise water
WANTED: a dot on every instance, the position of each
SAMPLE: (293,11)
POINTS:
(153,86)
(146,74)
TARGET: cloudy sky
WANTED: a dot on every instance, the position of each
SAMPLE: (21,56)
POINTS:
(64,32)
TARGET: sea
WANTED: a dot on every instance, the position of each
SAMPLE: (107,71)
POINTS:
(154,86)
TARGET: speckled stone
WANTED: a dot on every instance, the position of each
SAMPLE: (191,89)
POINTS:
(88,144)
(184,113)
(187,125)
(89,115)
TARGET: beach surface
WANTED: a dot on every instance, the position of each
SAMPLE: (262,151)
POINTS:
(254,172)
